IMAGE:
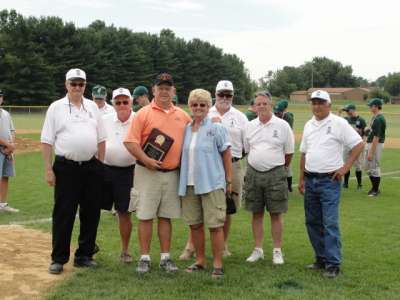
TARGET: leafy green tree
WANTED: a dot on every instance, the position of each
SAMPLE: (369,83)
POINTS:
(392,84)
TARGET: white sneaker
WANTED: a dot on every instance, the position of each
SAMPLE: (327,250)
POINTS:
(8,208)
(257,254)
(277,257)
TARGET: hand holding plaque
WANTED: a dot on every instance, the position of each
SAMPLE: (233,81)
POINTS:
(157,144)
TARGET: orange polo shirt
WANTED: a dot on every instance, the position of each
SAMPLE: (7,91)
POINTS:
(172,123)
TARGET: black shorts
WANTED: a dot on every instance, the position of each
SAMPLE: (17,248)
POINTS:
(118,182)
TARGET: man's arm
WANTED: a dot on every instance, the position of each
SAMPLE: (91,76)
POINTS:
(101,151)
(227,159)
(355,152)
(136,151)
(47,154)
(288,159)
(302,169)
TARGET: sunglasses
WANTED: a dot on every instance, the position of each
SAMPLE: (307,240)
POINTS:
(198,104)
(222,95)
(121,102)
(75,84)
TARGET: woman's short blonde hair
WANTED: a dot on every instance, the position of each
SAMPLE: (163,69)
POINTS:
(200,95)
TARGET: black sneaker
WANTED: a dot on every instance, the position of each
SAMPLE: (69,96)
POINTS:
(370,192)
(143,266)
(84,262)
(374,193)
(56,268)
(316,266)
(331,272)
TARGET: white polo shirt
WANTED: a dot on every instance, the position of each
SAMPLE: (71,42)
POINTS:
(6,125)
(74,132)
(116,153)
(106,109)
(267,144)
(323,143)
(235,122)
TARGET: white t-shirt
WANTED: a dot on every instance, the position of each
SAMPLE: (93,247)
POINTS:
(74,132)
(6,125)
(116,152)
(191,159)
(106,109)
(235,122)
(323,143)
(267,144)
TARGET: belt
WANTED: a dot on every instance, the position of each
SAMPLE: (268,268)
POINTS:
(235,159)
(274,168)
(138,162)
(62,159)
(318,175)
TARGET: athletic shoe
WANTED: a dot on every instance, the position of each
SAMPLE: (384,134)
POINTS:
(374,193)
(125,258)
(56,268)
(331,272)
(277,257)
(8,208)
(168,265)
(84,262)
(143,266)
(257,254)
(316,266)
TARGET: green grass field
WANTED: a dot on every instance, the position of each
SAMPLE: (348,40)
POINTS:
(370,236)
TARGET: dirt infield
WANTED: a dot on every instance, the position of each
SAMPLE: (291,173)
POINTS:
(26,145)
(25,257)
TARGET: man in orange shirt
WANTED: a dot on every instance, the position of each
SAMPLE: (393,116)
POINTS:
(156,180)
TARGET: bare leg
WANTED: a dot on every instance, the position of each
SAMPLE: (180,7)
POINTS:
(145,230)
(276,229)
(125,229)
(197,234)
(227,227)
(258,229)
(3,189)
(217,245)
(164,234)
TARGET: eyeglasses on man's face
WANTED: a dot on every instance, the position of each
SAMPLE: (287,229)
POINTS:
(225,95)
(75,84)
(118,103)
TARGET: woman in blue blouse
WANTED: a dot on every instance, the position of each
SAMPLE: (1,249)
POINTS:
(205,177)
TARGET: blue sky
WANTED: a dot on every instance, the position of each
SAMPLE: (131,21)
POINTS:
(266,35)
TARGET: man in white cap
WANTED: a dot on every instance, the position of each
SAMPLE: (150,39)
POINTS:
(119,166)
(235,122)
(74,127)
(321,172)
(99,95)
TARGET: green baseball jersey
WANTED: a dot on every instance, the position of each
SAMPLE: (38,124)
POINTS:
(288,117)
(378,128)
(251,115)
(136,107)
(358,123)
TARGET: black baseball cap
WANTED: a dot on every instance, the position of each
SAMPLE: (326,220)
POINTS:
(164,78)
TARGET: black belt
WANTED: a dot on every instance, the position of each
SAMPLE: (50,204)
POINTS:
(235,159)
(138,162)
(62,159)
(120,168)
(318,175)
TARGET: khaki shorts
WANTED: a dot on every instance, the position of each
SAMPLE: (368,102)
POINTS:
(155,194)
(209,208)
(267,190)
(237,183)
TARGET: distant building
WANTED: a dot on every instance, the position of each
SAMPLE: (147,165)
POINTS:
(351,94)
(395,100)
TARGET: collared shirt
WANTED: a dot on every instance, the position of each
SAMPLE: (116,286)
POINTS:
(267,144)
(106,109)
(116,153)
(74,131)
(235,121)
(6,125)
(208,171)
(172,123)
(323,143)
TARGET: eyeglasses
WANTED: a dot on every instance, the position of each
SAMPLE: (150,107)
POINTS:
(75,84)
(198,104)
(222,95)
(118,103)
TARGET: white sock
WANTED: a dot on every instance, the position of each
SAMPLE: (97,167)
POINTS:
(3,204)
(164,255)
(145,257)
(259,249)
(277,250)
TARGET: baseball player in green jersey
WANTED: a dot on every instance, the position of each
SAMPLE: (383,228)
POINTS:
(280,110)
(374,147)
(359,124)
(141,97)
(251,111)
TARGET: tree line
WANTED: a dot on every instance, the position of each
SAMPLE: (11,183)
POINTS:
(35,54)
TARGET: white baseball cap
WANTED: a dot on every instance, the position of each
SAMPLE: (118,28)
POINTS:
(320,94)
(224,85)
(75,74)
(121,91)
